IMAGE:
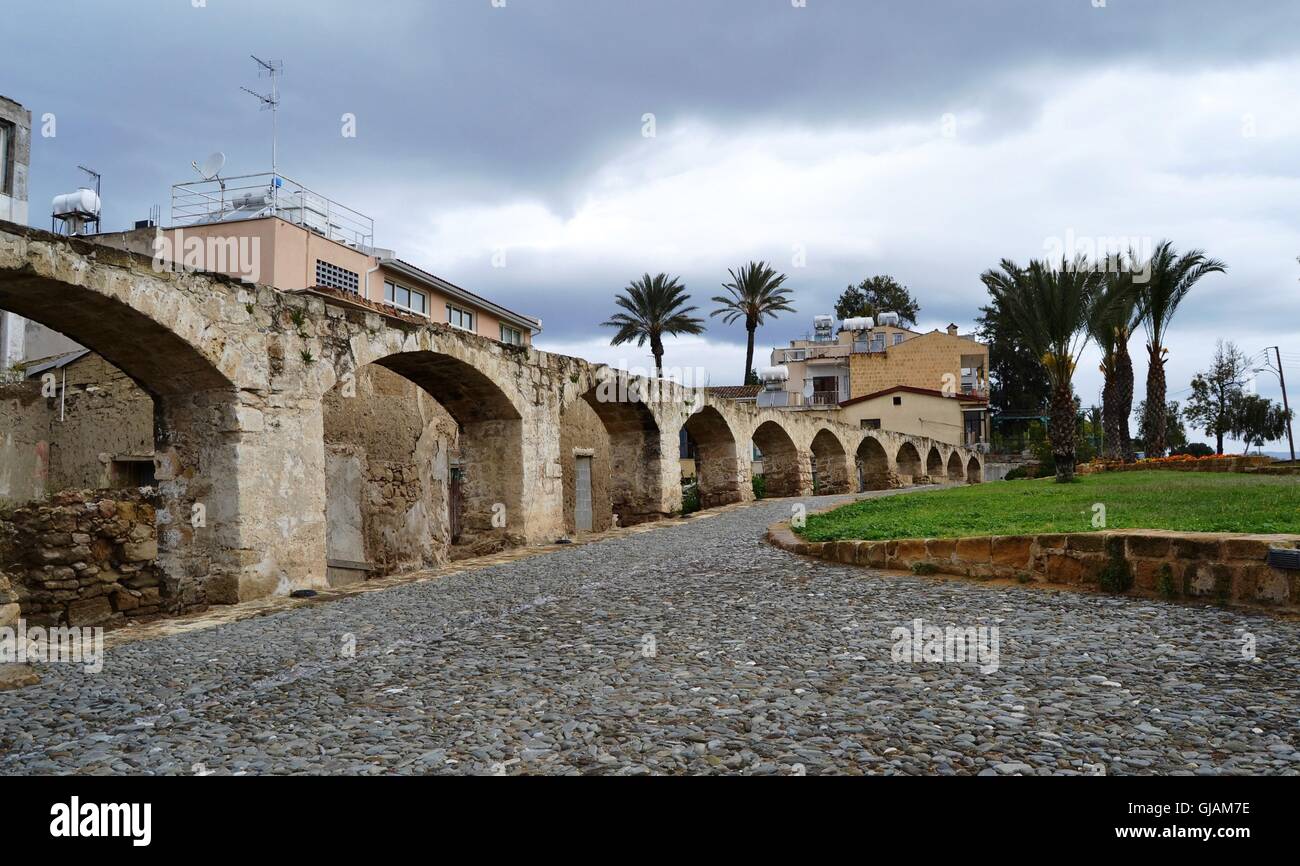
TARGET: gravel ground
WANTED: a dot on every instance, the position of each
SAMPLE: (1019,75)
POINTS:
(761,663)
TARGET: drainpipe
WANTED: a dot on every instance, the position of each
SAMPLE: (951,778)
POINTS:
(365,282)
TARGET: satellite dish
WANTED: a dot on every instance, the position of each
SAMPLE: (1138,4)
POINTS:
(211,166)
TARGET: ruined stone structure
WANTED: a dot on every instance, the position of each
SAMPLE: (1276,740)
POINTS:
(244,380)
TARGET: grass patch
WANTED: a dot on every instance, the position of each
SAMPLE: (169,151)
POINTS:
(1186,501)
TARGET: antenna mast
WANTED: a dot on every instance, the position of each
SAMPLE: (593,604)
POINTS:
(272,69)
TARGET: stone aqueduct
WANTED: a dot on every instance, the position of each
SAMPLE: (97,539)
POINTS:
(238,374)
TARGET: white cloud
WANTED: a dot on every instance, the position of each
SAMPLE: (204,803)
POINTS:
(1204,159)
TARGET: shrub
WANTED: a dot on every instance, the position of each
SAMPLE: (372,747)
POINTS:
(1020,472)
(760,486)
(924,568)
(1194,449)
(690,496)
(1023,577)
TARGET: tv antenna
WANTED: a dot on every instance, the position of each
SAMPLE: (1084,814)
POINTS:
(272,69)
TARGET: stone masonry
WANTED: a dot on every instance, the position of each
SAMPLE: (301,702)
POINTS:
(239,376)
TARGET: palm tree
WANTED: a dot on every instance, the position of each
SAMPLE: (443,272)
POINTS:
(756,294)
(654,308)
(1114,317)
(1161,285)
(1051,308)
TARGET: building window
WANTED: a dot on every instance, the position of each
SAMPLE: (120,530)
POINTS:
(407,299)
(870,424)
(513,336)
(877,342)
(898,338)
(131,472)
(898,401)
(6,145)
(458,318)
(333,277)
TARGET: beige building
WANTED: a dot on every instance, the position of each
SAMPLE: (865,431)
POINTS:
(879,375)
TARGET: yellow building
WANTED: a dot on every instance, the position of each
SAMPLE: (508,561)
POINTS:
(878,374)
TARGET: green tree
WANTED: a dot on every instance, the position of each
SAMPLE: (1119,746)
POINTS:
(1114,318)
(1018,384)
(654,306)
(1175,432)
(757,294)
(1256,420)
(1050,308)
(876,295)
(1216,392)
(1162,283)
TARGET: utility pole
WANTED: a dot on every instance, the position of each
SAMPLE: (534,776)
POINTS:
(1281,377)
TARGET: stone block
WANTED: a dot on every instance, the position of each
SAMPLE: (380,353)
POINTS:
(1012,551)
(140,551)
(974,551)
(91,611)
(1146,546)
(940,548)
(1086,542)
(1195,549)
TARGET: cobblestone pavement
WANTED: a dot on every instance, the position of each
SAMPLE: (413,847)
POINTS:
(688,649)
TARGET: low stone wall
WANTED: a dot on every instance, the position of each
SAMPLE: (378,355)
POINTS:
(83,558)
(1221,567)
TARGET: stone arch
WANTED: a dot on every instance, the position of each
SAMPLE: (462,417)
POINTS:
(156,328)
(974,472)
(717,461)
(908,462)
(934,464)
(390,453)
(488,511)
(955,468)
(830,464)
(873,465)
(628,468)
(781,464)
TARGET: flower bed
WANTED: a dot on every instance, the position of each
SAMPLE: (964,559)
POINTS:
(1182,463)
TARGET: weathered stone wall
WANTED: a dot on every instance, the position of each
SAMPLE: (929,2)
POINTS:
(388,445)
(239,375)
(1226,568)
(69,441)
(85,558)
(24,443)
(582,432)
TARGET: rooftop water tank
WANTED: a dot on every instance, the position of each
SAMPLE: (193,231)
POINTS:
(859,323)
(774,374)
(889,319)
(82,203)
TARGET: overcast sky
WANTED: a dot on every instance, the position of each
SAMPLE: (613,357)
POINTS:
(840,139)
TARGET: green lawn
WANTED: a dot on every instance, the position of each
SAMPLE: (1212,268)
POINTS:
(1190,501)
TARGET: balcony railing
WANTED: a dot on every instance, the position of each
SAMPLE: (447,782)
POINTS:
(251,196)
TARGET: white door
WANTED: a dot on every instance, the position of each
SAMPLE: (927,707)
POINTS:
(582,494)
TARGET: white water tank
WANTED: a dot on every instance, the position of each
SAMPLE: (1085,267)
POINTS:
(889,319)
(774,374)
(83,203)
(859,323)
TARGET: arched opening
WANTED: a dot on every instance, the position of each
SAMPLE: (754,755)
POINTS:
(974,472)
(717,466)
(781,467)
(934,464)
(611,456)
(436,476)
(955,473)
(873,466)
(391,457)
(112,400)
(830,464)
(909,464)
